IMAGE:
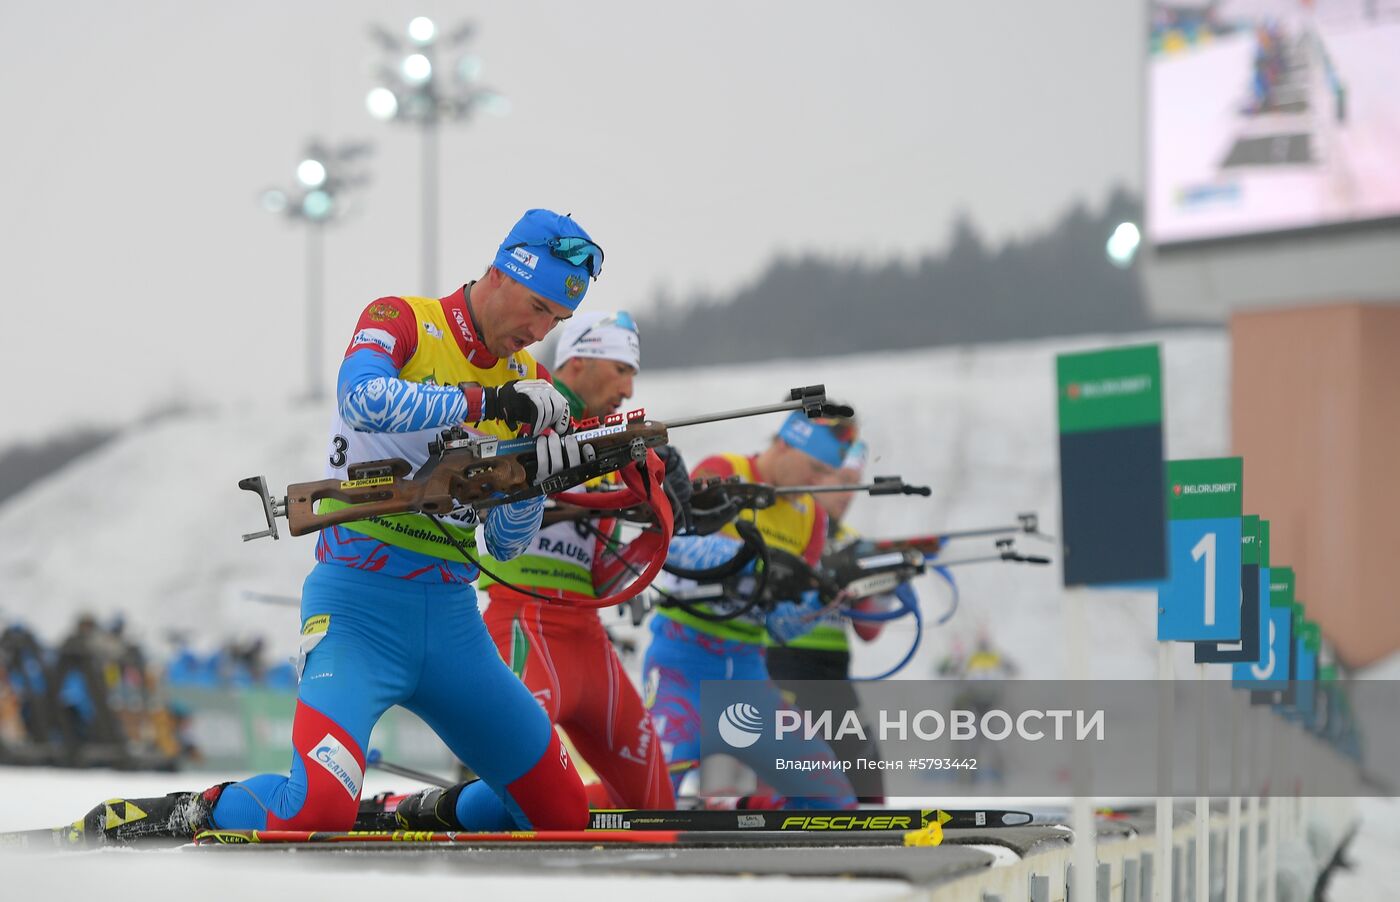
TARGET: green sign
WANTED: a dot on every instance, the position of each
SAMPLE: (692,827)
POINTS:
(1249,540)
(1281,587)
(1210,488)
(1263,542)
(1110,389)
(1311,634)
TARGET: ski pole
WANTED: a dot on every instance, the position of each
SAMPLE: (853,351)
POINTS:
(376,760)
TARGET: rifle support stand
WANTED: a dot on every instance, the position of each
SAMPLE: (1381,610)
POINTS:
(272,509)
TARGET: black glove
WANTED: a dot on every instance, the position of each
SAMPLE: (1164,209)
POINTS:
(529,402)
(711,510)
(863,572)
(678,487)
(788,577)
(843,564)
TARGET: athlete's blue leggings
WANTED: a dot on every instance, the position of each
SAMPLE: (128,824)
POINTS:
(676,662)
(387,641)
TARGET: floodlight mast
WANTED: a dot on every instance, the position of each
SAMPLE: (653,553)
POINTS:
(323,176)
(415,88)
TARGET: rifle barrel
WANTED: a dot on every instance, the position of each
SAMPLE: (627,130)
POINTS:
(1010,555)
(733,414)
(860,487)
(988,531)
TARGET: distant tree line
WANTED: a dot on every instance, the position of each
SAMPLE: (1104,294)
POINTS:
(1058,282)
(21,465)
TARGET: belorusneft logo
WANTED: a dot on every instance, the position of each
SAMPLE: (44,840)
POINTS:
(1205,488)
(1108,388)
(740,725)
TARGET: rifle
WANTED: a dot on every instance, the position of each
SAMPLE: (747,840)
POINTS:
(867,569)
(757,496)
(715,500)
(864,570)
(859,570)
(847,576)
(464,469)
(1027,524)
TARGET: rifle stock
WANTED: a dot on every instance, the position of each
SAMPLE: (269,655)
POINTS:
(394,492)
(464,471)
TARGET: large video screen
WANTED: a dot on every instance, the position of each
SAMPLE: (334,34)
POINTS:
(1271,115)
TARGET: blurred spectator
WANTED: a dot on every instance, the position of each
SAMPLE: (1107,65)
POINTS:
(237,664)
(95,700)
(25,672)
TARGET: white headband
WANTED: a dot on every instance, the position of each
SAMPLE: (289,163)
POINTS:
(606,336)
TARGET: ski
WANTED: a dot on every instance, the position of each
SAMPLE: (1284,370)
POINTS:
(866,820)
(863,820)
(626,825)
(68,837)
(633,837)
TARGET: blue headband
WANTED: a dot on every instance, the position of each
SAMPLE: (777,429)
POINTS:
(857,456)
(814,438)
(526,257)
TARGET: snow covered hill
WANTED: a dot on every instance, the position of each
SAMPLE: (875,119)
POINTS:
(150,526)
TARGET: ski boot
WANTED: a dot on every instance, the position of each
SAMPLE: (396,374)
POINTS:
(177,816)
(376,814)
(432,809)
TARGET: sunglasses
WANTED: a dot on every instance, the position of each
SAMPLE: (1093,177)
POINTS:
(576,251)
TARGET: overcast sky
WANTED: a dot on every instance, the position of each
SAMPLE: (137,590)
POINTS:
(694,141)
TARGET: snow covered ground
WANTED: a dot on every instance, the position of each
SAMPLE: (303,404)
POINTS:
(1374,870)
(35,797)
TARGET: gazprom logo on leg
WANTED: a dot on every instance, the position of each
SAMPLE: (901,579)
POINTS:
(336,758)
(740,725)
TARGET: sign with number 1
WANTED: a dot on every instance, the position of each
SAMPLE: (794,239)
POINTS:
(1254,566)
(1201,598)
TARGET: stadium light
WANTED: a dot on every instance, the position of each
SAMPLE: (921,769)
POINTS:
(422,30)
(419,85)
(323,177)
(311,172)
(1123,244)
